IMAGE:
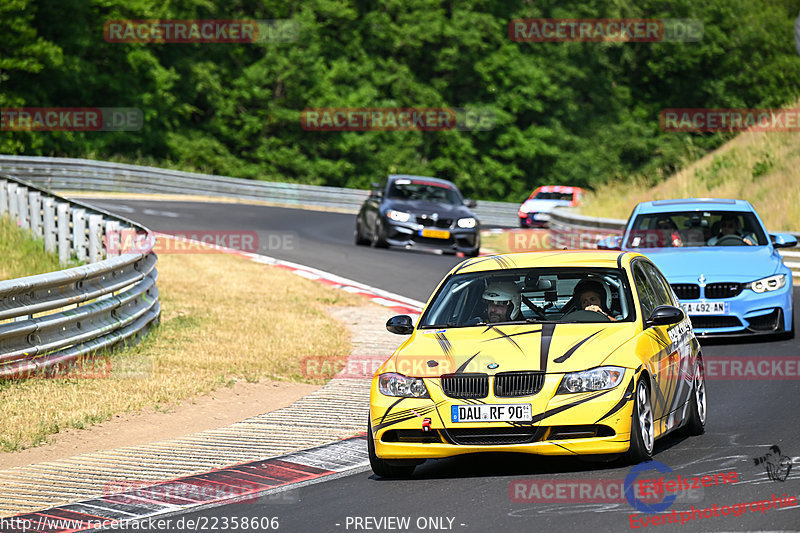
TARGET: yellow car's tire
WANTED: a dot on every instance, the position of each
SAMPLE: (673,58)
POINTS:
(696,424)
(642,427)
(383,468)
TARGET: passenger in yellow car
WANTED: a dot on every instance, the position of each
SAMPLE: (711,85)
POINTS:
(502,301)
(590,295)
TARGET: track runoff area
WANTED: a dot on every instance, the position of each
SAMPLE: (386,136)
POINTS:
(741,475)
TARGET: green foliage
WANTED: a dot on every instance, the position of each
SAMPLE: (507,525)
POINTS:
(23,254)
(571,113)
(762,166)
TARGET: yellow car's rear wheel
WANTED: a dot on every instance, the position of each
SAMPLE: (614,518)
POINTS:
(696,424)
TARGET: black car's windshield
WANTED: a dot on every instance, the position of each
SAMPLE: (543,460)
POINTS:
(417,189)
(696,228)
(561,295)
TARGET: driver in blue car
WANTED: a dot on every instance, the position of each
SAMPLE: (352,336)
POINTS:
(729,225)
(590,295)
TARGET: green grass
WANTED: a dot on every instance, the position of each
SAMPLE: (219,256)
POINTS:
(23,254)
(758,167)
(201,345)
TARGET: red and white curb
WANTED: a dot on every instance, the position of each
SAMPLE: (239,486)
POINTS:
(243,483)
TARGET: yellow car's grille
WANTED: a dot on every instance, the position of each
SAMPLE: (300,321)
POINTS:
(512,384)
(465,385)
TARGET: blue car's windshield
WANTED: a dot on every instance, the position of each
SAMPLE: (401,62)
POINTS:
(696,228)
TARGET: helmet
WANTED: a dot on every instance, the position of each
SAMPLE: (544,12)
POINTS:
(504,292)
(586,285)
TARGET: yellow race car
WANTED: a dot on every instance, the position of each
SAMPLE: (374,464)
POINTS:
(553,353)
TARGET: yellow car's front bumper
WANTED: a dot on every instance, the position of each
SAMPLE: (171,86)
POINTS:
(411,428)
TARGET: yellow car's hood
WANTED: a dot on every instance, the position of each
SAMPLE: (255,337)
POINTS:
(491,349)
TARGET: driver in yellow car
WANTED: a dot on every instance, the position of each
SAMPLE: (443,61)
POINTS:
(590,295)
(503,302)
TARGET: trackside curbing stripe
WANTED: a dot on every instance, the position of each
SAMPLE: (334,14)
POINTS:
(227,485)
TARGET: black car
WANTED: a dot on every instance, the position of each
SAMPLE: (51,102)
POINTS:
(421,212)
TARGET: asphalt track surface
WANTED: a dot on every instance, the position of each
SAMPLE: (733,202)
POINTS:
(474,493)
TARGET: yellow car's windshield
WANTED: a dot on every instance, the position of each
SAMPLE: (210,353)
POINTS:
(560,295)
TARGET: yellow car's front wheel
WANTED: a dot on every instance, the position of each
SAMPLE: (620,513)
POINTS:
(642,428)
(383,468)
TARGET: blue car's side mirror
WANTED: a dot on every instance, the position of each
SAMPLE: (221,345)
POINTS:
(612,242)
(783,240)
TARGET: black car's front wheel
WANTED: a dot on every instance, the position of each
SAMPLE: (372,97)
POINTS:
(378,236)
(359,237)
(642,428)
(384,468)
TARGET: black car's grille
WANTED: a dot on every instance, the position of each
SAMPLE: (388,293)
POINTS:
(493,436)
(770,322)
(686,291)
(465,385)
(511,384)
(715,322)
(426,220)
(723,290)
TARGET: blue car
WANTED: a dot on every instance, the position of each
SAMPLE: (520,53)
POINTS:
(721,262)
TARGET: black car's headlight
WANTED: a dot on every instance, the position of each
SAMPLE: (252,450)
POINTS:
(771,283)
(399,216)
(600,378)
(468,222)
(392,384)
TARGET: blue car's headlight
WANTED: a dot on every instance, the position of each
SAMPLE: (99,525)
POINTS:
(771,283)
(392,384)
(600,378)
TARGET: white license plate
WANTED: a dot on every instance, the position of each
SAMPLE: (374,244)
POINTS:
(518,412)
(541,216)
(707,308)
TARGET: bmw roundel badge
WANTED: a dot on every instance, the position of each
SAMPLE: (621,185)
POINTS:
(492,366)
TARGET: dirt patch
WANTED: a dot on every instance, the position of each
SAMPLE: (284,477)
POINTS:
(220,408)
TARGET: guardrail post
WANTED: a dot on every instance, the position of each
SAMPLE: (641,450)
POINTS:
(64,249)
(11,188)
(95,238)
(22,208)
(79,233)
(3,197)
(49,209)
(112,238)
(35,205)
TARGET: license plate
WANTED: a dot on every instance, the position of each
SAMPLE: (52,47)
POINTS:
(518,412)
(435,233)
(707,308)
(541,216)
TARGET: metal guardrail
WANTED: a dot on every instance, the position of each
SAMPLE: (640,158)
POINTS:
(58,173)
(59,316)
(578,231)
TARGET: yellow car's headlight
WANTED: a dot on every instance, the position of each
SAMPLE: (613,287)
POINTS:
(600,378)
(392,384)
